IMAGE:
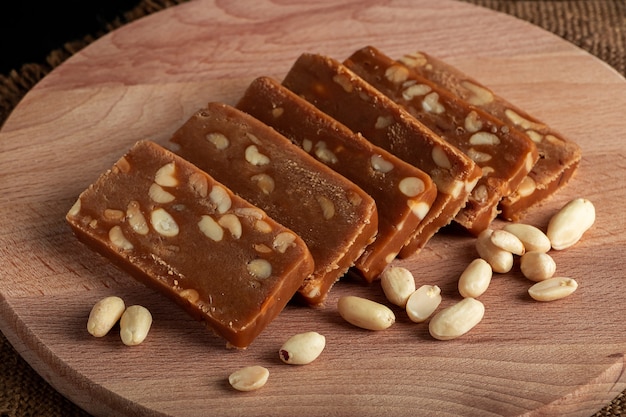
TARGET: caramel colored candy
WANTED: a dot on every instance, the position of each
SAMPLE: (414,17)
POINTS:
(504,154)
(560,157)
(176,229)
(335,218)
(340,93)
(403,193)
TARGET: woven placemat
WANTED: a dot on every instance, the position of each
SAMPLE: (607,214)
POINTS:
(598,26)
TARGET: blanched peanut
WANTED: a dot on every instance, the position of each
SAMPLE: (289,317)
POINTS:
(475,279)
(104,314)
(508,242)
(501,261)
(553,289)
(135,325)
(423,302)
(537,266)
(456,320)
(532,237)
(302,348)
(249,378)
(398,284)
(569,224)
(365,313)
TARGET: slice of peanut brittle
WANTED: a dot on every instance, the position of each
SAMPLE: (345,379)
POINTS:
(335,217)
(506,155)
(339,92)
(179,231)
(559,157)
(402,192)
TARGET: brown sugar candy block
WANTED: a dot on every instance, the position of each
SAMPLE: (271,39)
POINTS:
(335,218)
(340,93)
(506,155)
(558,157)
(403,193)
(176,229)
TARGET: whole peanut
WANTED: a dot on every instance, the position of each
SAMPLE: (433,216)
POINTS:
(537,266)
(569,224)
(135,325)
(398,284)
(104,314)
(532,237)
(507,241)
(456,320)
(501,261)
(302,348)
(365,313)
(475,279)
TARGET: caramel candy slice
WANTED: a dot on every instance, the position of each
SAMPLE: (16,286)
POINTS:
(505,154)
(343,95)
(559,157)
(176,229)
(335,218)
(403,193)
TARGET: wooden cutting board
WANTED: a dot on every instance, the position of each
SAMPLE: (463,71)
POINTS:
(142,81)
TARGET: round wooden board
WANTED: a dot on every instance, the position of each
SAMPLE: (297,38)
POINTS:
(144,80)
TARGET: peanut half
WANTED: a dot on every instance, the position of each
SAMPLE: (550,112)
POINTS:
(423,302)
(553,289)
(569,224)
(104,314)
(249,378)
(398,284)
(456,320)
(302,348)
(365,313)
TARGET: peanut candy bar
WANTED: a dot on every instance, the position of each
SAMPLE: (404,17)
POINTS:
(176,229)
(343,95)
(402,192)
(505,154)
(558,157)
(335,218)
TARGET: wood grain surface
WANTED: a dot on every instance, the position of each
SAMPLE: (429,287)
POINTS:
(564,358)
